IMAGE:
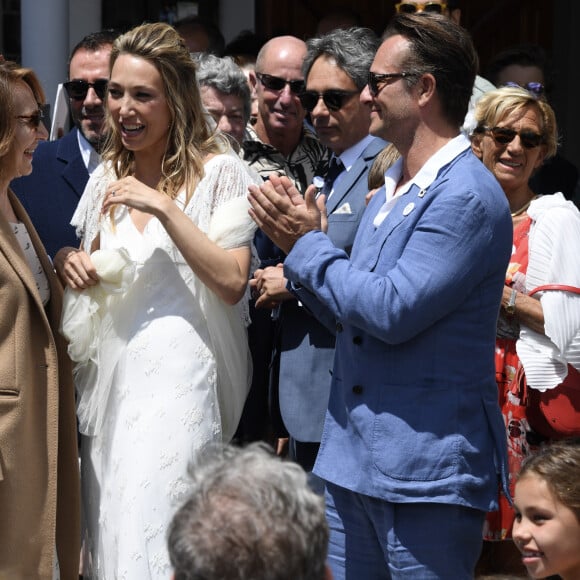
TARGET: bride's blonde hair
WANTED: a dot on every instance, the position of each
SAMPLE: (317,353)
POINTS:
(189,137)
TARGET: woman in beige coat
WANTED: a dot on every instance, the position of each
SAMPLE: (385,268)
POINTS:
(39,487)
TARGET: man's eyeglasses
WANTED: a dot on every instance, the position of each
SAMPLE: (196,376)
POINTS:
(78,89)
(273,83)
(412,7)
(537,89)
(377,81)
(334,99)
(33,120)
(504,135)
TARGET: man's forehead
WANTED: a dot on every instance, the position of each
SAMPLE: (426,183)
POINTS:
(391,52)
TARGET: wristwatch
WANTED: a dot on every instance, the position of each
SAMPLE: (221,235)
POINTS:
(511,305)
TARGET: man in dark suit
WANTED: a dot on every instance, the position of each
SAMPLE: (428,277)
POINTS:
(61,168)
(335,70)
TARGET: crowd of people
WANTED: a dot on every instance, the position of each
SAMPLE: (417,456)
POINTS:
(306,310)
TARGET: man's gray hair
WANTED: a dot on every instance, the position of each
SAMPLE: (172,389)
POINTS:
(250,516)
(224,75)
(353,50)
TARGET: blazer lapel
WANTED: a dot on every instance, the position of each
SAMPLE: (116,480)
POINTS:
(352,177)
(348,181)
(370,240)
(74,172)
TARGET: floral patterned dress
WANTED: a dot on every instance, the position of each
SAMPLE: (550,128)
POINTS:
(499,523)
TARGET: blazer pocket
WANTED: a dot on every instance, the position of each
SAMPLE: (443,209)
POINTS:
(343,217)
(416,437)
(8,365)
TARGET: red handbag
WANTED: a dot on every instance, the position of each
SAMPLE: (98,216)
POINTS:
(555,413)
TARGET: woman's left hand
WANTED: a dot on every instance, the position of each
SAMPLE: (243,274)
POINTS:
(134,194)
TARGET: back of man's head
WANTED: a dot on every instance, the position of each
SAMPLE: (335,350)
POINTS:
(250,516)
(201,35)
(440,47)
(523,55)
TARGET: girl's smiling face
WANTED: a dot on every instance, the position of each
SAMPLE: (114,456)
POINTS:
(546,532)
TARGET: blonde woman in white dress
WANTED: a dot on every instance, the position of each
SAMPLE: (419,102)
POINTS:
(156,309)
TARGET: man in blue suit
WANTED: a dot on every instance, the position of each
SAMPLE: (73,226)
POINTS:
(413,442)
(335,69)
(61,168)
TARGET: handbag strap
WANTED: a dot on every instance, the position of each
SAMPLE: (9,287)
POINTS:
(563,287)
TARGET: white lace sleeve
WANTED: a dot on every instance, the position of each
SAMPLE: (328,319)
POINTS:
(87,216)
(221,205)
(553,259)
(226,178)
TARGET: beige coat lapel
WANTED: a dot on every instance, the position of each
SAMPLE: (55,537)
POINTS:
(13,252)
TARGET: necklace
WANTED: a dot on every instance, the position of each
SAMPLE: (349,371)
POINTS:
(523,208)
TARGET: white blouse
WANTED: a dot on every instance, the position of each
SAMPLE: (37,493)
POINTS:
(40,278)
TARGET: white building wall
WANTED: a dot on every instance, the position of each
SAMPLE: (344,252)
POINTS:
(49,29)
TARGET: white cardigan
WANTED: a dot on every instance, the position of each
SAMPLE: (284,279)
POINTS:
(554,258)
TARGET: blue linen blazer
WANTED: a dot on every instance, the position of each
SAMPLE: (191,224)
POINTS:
(307,346)
(413,413)
(50,194)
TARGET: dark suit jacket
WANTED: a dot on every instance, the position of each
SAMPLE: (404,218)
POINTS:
(307,347)
(50,194)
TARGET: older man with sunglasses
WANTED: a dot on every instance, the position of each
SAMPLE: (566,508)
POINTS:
(61,168)
(336,70)
(413,443)
(278,141)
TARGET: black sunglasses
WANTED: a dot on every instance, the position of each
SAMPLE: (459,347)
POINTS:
(537,89)
(334,99)
(78,89)
(33,120)
(377,81)
(412,7)
(504,135)
(273,83)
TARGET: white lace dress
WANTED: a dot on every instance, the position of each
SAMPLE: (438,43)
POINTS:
(168,395)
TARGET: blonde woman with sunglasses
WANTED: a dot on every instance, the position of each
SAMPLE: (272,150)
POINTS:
(540,333)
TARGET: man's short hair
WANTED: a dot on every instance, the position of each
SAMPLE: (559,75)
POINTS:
(224,75)
(444,49)
(526,55)
(353,50)
(95,41)
(192,24)
(250,515)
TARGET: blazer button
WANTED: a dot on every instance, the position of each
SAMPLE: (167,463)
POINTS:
(357,389)
(338,327)
(357,339)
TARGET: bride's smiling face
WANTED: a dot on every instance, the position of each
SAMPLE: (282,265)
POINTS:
(138,105)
